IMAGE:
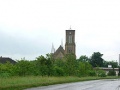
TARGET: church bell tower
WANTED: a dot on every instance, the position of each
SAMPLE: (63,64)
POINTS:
(70,47)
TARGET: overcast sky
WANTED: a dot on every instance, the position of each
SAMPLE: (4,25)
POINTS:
(29,27)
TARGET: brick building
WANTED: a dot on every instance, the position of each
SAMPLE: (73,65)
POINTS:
(70,47)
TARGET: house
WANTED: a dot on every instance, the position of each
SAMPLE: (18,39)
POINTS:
(4,60)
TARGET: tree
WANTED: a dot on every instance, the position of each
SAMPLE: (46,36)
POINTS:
(45,65)
(49,64)
(59,67)
(83,58)
(96,59)
(41,65)
(7,69)
(113,63)
(71,64)
(58,71)
(83,69)
(23,67)
(101,73)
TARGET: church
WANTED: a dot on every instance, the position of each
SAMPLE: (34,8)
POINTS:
(70,46)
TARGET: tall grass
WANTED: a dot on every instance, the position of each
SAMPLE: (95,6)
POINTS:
(19,83)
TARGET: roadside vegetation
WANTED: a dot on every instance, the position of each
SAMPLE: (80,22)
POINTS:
(20,83)
(47,71)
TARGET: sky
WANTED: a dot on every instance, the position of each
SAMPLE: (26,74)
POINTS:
(29,27)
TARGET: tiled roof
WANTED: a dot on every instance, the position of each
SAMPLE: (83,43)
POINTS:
(60,49)
(6,59)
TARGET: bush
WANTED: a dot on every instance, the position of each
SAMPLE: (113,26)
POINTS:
(58,71)
(111,73)
(101,73)
(5,74)
(92,73)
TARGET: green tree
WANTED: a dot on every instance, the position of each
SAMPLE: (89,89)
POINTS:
(49,64)
(113,63)
(92,73)
(101,73)
(71,64)
(58,71)
(59,67)
(83,58)
(41,65)
(96,59)
(23,67)
(45,65)
(7,69)
(83,69)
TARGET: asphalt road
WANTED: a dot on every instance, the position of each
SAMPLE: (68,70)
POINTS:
(113,84)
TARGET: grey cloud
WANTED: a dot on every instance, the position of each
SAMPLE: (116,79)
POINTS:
(19,45)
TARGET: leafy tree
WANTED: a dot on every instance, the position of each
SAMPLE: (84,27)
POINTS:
(92,73)
(101,73)
(10,68)
(41,65)
(96,59)
(49,64)
(45,65)
(23,67)
(34,69)
(67,66)
(113,63)
(83,69)
(71,64)
(3,70)
(83,58)
(59,63)
(59,67)
(58,71)
(7,69)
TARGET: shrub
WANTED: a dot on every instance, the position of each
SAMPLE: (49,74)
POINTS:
(111,73)
(5,74)
(101,73)
(58,71)
(92,73)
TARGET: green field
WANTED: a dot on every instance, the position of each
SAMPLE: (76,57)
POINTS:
(19,83)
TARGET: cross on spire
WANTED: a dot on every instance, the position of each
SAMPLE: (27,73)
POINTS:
(52,49)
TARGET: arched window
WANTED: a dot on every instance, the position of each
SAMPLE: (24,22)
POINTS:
(70,39)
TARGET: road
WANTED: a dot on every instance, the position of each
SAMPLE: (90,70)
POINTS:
(113,84)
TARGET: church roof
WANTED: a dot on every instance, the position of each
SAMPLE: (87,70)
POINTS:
(60,49)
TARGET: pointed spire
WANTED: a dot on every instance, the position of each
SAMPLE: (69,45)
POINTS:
(70,27)
(52,49)
(61,42)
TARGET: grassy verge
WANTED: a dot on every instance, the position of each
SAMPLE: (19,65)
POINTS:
(19,83)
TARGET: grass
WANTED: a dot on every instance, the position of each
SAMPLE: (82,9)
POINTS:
(19,83)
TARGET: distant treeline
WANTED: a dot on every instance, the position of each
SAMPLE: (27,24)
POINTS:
(48,66)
